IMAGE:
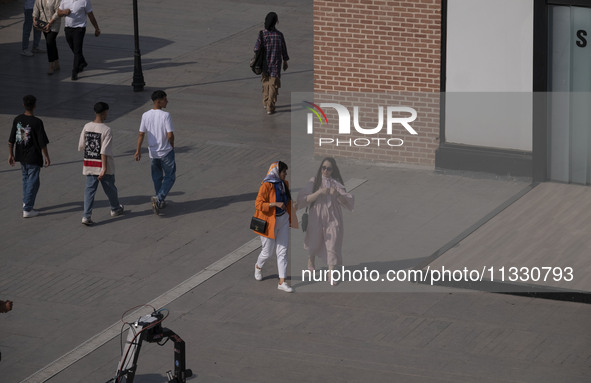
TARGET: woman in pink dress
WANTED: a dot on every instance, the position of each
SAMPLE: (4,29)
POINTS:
(325,195)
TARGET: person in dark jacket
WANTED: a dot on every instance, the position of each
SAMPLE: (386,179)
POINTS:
(276,58)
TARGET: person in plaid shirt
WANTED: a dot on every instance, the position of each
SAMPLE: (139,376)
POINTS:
(275,58)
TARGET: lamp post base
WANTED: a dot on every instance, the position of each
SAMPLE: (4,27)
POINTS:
(138,84)
(138,77)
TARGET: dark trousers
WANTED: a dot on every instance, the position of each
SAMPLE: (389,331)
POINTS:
(75,39)
(50,41)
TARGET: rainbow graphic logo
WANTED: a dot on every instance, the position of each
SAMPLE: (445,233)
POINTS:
(391,117)
(317,111)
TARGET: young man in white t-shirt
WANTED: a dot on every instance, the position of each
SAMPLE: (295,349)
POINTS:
(157,126)
(96,142)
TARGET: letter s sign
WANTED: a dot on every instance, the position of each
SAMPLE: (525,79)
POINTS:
(582,41)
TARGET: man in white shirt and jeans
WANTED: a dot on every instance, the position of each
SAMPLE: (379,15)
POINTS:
(76,12)
(157,125)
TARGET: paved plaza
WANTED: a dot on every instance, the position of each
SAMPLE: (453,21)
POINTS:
(71,284)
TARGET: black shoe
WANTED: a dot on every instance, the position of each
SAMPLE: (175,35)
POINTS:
(74,76)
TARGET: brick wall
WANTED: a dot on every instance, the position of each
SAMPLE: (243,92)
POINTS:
(379,46)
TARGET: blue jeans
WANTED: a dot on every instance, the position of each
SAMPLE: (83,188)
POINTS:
(163,174)
(109,187)
(31,184)
(27,26)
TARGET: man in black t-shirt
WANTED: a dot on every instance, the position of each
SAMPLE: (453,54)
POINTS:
(27,144)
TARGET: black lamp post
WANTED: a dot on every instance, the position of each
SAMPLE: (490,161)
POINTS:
(138,77)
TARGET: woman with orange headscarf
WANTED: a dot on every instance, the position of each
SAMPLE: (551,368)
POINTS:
(273,205)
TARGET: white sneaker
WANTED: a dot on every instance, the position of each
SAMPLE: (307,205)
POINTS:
(30,214)
(87,221)
(27,53)
(258,273)
(285,287)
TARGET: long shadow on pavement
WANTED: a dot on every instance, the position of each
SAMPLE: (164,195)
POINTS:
(109,56)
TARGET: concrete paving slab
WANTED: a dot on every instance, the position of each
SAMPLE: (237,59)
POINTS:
(541,240)
(247,331)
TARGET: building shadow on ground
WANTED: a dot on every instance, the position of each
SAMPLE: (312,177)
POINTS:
(110,58)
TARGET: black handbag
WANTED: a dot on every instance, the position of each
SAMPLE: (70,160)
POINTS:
(256,62)
(41,25)
(305,221)
(258,225)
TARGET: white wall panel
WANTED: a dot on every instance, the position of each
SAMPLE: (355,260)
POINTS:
(489,55)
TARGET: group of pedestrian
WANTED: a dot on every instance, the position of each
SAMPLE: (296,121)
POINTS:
(45,16)
(77,12)
(28,141)
(324,196)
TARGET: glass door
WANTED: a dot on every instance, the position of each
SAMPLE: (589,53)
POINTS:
(569,109)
